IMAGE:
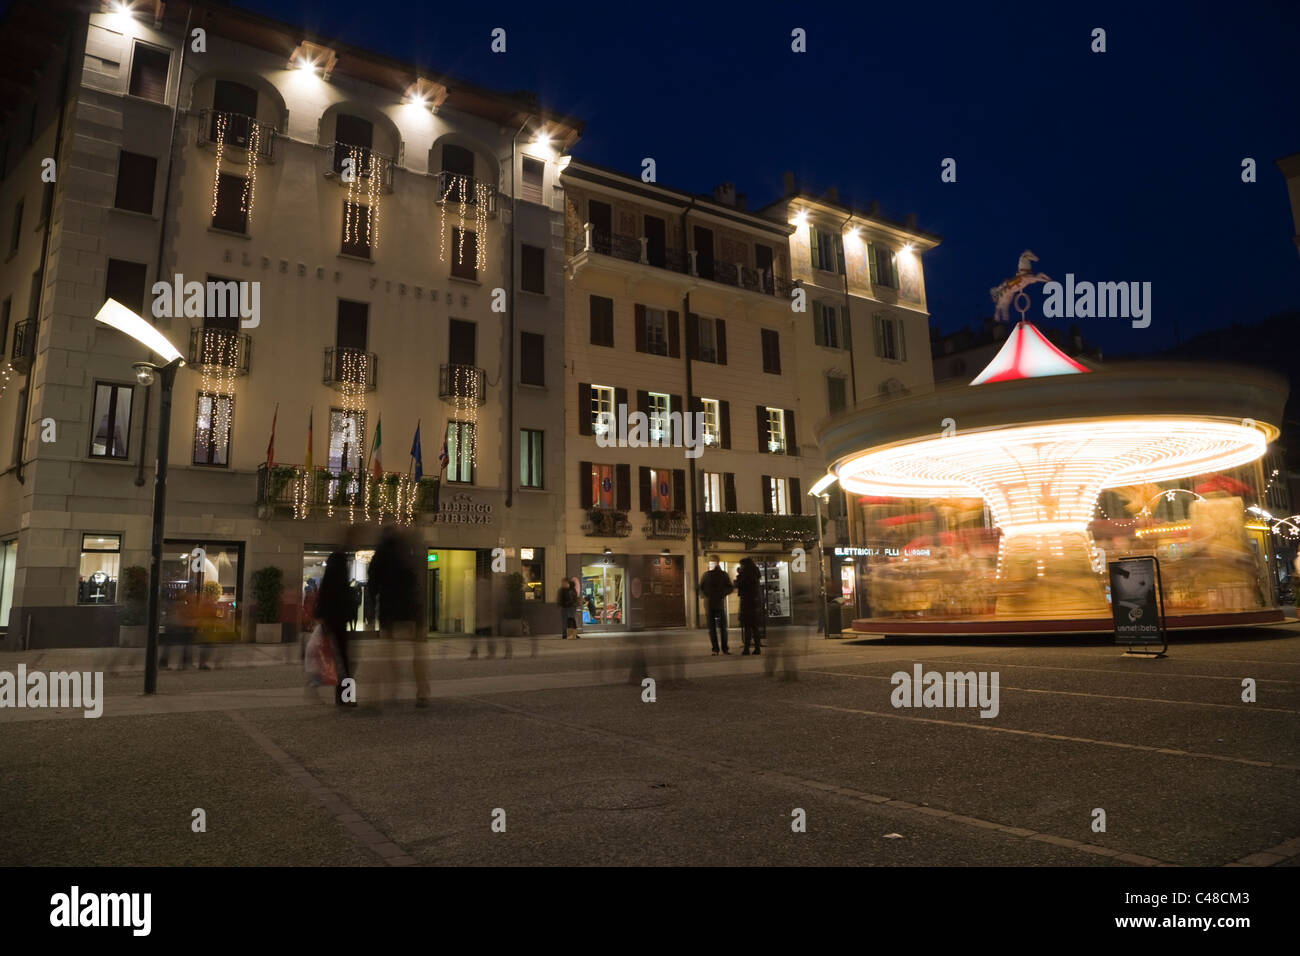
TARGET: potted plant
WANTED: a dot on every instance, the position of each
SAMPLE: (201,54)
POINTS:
(512,623)
(132,630)
(268,588)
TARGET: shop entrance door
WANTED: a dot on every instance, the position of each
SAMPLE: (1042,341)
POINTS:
(602,596)
(433,598)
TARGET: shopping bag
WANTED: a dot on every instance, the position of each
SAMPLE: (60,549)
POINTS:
(319,660)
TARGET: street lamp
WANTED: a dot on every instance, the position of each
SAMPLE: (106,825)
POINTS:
(119,317)
(818,491)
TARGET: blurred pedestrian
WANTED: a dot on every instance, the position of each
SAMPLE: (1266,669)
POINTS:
(749,588)
(394,579)
(715,586)
(570,601)
(336,608)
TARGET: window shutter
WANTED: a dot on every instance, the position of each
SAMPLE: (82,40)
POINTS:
(623,489)
(720,331)
(839,254)
(643,402)
(819,327)
(796,503)
(620,398)
(679,489)
(674,337)
(791,440)
(644,487)
(871,264)
(877,327)
(675,405)
(584,408)
(724,422)
(595,323)
(767,494)
(813,236)
(729,491)
(902,347)
(846,325)
(692,336)
(584,483)
(763,434)
(640,328)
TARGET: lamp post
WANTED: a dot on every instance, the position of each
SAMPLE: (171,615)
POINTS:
(818,491)
(119,317)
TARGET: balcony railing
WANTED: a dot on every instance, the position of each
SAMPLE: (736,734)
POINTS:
(750,528)
(666,524)
(634,249)
(220,349)
(24,349)
(290,491)
(462,381)
(606,523)
(238,131)
(455,188)
(351,368)
(384,165)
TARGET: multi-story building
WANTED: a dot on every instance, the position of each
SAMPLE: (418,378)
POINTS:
(397,241)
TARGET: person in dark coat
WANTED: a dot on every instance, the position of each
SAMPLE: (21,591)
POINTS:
(715,586)
(395,580)
(336,608)
(570,601)
(749,587)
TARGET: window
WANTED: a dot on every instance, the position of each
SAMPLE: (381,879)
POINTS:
(659,494)
(460,452)
(827,251)
(213,418)
(531,184)
(458,161)
(889,338)
(8,566)
(236,104)
(827,328)
(712,431)
(777,502)
(656,332)
(881,260)
(352,325)
(602,409)
(17,230)
(225,315)
(149,68)
(47,202)
(353,136)
(713,487)
(112,418)
(602,321)
(356,230)
(771,351)
(836,394)
(347,441)
(703,252)
(771,433)
(125,282)
(532,564)
(6,307)
(532,274)
(706,339)
(101,555)
(532,358)
(659,406)
(530,458)
(464,258)
(603,491)
(232,213)
(34,299)
(462,339)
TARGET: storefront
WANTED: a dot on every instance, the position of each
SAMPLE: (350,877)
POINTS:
(459,591)
(630,592)
(202,580)
(787,584)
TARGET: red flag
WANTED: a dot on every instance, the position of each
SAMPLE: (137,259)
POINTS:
(270,446)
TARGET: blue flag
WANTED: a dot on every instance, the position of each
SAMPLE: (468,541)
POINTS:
(415,454)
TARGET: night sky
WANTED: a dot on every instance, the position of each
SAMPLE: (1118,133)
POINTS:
(1122,166)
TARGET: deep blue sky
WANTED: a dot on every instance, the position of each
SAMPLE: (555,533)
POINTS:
(1117,166)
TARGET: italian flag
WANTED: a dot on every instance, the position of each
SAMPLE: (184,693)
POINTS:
(377,469)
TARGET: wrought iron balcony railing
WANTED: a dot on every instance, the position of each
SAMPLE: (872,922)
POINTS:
(750,528)
(351,369)
(24,349)
(362,156)
(606,523)
(462,381)
(220,349)
(666,524)
(455,188)
(291,491)
(238,130)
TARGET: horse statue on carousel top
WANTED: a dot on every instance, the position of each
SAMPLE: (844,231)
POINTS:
(1025,276)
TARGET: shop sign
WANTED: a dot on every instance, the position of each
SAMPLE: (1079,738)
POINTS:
(461,508)
(887,552)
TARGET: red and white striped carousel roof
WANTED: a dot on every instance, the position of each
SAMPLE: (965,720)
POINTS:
(1027,354)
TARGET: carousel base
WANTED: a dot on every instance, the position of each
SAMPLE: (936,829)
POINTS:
(988,626)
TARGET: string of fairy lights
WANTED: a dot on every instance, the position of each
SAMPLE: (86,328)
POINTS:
(459,189)
(353,206)
(219,362)
(465,385)
(250,180)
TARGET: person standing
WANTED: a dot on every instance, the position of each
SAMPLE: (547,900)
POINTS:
(335,608)
(569,603)
(715,586)
(394,577)
(749,587)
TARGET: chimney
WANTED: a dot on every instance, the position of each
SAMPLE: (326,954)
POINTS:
(833,194)
(911,221)
(742,202)
(873,208)
(725,193)
(787,182)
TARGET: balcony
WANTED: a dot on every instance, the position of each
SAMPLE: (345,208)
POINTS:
(383,165)
(220,349)
(24,349)
(462,381)
(351,369)
(606,523)
(454,189)
(236,130)
(750,528)
(289,491)
(666,524)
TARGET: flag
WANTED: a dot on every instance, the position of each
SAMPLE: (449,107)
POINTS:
(415,454)
(307,463)
(376,467)
(270,446)
(443,458)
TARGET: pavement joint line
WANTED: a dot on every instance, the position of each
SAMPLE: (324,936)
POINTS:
(1115,671)
(1272,856)
(1081,693)
(388,852)
(789,781)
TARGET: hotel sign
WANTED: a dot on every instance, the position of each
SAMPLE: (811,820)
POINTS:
(463,509)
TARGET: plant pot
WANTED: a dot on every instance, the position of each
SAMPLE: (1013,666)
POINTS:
(132,635)
(512,627)
(270,633)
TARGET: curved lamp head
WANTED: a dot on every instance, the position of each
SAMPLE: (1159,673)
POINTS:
(118,316)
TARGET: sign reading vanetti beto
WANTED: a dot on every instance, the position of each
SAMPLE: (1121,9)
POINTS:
(1134,601)
(463,509)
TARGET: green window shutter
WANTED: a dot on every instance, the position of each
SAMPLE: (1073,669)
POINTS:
(871,264)
(819,328)
(839,254)
(902,348)
(814,248)
(877,326)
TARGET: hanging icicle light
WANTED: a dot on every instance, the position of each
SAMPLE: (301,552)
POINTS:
(219,360)
(352,222)
(460,189)
(221,147)
(250,181)
(465,389)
